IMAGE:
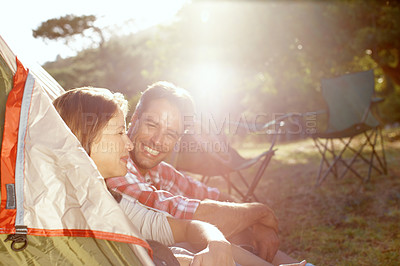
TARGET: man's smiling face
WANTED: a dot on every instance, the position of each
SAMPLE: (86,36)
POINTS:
(158,130)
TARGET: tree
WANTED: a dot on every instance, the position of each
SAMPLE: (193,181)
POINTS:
(67,27)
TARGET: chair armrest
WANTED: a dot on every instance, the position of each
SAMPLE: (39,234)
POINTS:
(278,122)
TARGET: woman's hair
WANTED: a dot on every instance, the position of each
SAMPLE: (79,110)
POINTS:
(87,111)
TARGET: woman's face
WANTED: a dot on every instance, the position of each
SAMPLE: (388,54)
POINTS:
(110,150)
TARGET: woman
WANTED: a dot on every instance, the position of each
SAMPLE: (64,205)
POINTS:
(97,118)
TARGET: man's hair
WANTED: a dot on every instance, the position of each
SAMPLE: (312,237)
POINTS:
(164,90)
(86,111)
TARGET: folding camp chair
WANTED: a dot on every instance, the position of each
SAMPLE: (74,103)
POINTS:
(350,102)
(210,155)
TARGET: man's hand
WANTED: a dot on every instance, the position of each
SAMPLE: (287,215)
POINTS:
(266,241)
(270,221)
(216,253)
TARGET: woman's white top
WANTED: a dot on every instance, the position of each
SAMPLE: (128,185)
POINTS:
(152,224)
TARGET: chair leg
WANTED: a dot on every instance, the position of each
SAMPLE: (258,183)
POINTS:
(383,152)
(232,186)
(335,168)
(374,135)
(331,168)
(257,178)
(368,141)
(371,139)
(319,143)
(242,178)
(348,166)
(338,158)
(324,160)
(357,153)
(246,198)
(371,162)
(327,171)
(382,165)
(324,155)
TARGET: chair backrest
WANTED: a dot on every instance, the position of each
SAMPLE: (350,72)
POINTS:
(349,100)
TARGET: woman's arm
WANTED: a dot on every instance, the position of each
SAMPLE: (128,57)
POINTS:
(151,224)
(168,230)
(216,249)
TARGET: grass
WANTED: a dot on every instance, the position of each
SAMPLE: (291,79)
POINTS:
(342,221)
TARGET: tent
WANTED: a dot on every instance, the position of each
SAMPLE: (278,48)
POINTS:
(54,208)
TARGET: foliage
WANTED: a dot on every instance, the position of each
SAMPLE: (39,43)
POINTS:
(117,66)
(253,57)
(66,27)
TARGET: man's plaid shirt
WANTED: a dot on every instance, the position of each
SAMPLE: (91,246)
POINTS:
(163,188)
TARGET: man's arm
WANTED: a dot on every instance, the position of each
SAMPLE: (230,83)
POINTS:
(265,241)
(178,206)
(232,218)
(180,184)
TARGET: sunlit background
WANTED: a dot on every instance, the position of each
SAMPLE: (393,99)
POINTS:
(19,18)
(235,57)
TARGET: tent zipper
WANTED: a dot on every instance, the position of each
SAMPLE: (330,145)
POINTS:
(21,230)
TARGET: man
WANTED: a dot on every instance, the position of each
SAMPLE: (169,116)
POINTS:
(157,125)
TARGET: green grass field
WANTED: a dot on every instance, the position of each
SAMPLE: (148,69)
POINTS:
(342,221)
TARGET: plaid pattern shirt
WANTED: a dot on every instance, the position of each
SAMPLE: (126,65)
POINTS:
(163,188)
